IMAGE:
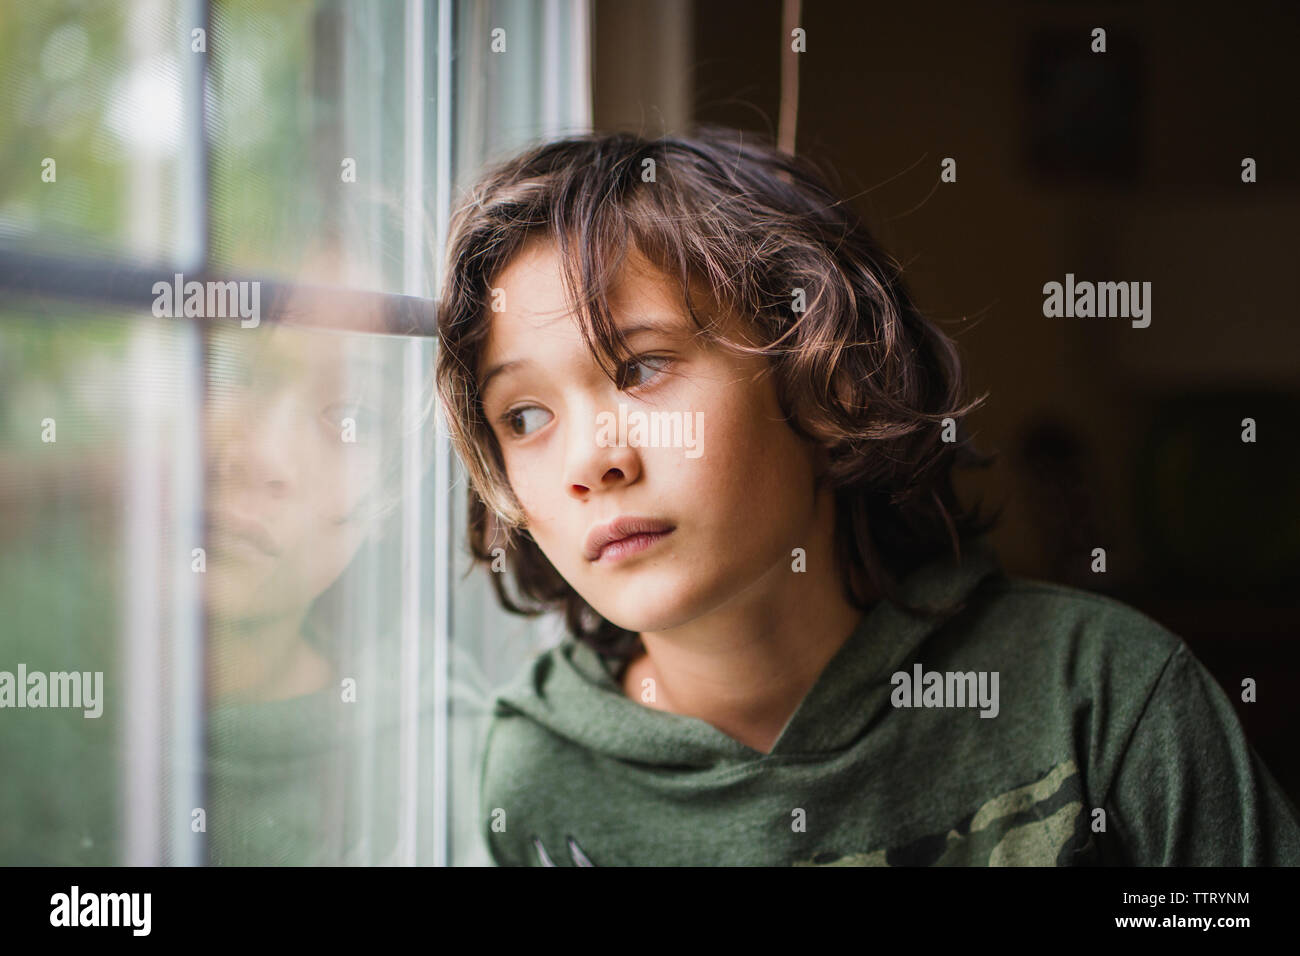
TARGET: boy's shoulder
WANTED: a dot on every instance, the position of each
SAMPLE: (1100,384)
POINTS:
(1029,595)
(1029,599)
(1074,664)
(1094,637)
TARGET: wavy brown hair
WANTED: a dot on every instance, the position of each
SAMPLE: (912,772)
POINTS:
(859,372)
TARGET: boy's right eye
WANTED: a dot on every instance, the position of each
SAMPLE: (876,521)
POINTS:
(516,418)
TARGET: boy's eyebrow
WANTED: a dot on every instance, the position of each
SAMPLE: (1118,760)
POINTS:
(497,370)
(628,332)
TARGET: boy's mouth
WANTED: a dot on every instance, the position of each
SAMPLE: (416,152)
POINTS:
(624,535)
(227,528)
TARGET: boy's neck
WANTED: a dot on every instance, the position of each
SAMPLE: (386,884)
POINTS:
(750,697)
(272,661)
(745,669)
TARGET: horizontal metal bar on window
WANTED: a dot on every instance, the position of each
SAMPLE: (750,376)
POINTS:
(162,291)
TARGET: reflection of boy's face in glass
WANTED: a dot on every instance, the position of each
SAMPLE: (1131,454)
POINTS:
(287,491)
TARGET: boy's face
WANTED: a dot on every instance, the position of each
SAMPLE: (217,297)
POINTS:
(285,469)
(737,489)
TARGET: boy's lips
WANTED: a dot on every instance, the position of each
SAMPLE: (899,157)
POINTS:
(621,528)
(227,525)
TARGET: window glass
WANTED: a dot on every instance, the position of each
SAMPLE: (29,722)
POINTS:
(91,127)
(309,134)
(224,499)
(307,433)
(91,417)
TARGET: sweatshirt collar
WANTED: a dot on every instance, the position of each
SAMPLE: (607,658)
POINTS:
(572,691)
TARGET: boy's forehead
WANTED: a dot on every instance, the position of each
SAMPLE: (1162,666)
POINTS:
(531,299)
(537,267)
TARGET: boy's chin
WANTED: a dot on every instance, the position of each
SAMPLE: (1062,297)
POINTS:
(650,605)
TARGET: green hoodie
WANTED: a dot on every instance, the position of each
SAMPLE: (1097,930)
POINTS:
(1103,741)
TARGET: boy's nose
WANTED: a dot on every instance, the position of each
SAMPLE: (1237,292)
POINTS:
(596,459)
(257,455)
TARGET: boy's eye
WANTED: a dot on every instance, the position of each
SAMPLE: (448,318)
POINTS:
(517,417)
(630,378)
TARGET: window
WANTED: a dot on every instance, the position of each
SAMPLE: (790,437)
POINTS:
(235,623)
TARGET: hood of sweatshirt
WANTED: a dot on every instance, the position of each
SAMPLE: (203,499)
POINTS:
(574,693)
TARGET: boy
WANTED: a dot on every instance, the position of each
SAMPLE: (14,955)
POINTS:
(702,416)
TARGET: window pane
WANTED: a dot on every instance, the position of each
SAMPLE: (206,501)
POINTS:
(307,435)
(93,438)
(309,136)
(239,531)
(91,126)
(319,715)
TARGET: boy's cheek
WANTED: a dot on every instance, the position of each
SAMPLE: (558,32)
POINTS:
(521,482)
(538,511)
